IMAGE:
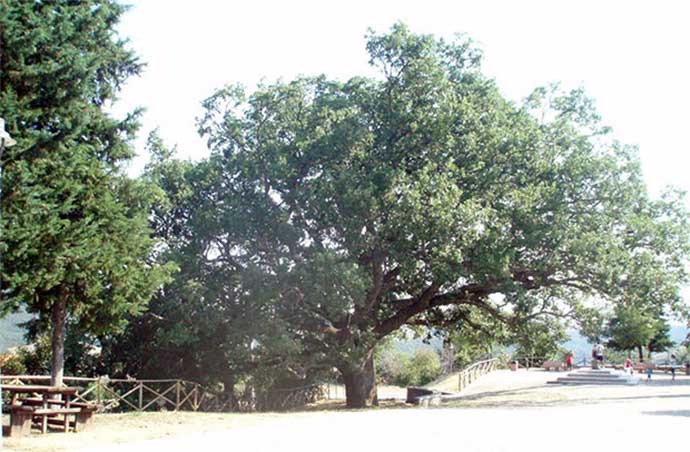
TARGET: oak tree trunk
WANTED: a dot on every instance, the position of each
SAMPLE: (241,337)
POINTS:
(360,383)
(641,353)
(57,341)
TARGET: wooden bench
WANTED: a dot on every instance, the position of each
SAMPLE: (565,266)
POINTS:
(84,418)
(554,365)
(666,368)
(42,416)
(37,401)
(78,417)
(20,419)
(642,367)
(47,406)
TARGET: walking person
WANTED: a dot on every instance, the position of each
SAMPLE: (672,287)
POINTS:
(599,352)
(674,364)
(569,360)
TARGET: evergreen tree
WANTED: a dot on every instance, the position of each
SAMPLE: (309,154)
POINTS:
(76,243)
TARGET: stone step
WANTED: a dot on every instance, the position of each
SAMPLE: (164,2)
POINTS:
(601,376)
(596,377)
(581,378)
(574,381)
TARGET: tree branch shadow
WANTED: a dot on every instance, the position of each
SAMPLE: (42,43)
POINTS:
(677,413)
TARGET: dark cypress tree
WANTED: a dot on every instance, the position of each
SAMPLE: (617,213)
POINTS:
(75,240)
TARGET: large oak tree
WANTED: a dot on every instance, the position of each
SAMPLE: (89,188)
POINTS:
(423,196)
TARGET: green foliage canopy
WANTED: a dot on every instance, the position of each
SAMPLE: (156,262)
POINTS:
(339,212)
(214,323)
(75,238)
(419,196)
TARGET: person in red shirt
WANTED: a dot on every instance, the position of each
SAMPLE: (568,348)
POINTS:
(569,361)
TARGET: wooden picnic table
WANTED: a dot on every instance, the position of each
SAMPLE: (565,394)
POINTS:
(49,397)
(44,391)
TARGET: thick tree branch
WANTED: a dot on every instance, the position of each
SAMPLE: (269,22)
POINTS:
(458,316)
(420,304)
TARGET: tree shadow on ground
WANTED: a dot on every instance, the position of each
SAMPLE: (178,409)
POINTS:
(481,395)
(680,413)
(339,405)
(683,382)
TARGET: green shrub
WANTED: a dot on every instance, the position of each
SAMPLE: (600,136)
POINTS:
(36,357)
(12,364)
(390,365)
(402,369)
(424,367)
(421,368)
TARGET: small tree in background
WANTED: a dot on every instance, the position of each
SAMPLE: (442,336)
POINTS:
(631,329)
(592,323)
(540,339)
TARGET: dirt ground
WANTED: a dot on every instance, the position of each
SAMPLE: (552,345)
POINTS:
(133,427)
(502,411)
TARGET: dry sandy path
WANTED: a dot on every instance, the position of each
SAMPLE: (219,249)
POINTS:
(502,412)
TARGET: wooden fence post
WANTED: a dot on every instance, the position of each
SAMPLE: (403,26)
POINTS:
(177,396)
(141,396)
(196,393)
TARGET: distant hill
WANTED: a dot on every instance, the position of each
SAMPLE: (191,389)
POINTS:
(11,334)
(577,343)
(409,346)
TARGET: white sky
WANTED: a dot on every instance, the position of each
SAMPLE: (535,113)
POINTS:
(631,56)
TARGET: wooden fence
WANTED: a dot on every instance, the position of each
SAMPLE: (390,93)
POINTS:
(176,395)
(474,371)
(287,399)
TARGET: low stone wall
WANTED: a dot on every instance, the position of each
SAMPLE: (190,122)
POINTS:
(424,397)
